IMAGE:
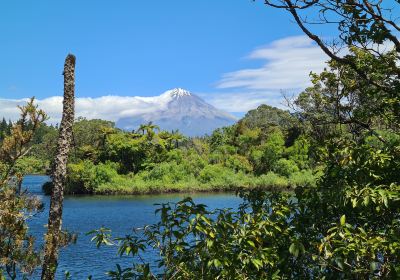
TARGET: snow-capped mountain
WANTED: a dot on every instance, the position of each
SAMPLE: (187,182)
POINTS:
(177,109)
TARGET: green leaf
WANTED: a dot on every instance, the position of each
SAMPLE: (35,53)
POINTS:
(251,243)
(343,220)
(366,200)
(217,263)
(294,249)
(257,263)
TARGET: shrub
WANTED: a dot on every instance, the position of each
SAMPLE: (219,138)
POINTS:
(285,167)
(299,151)
(168,172)
(238,163)
(85,177)
(302,178)
(195,243)
(214,172)
(271,180)
(31,165)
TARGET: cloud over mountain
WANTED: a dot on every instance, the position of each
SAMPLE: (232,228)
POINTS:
(110,107)
(285,67)
(174,109)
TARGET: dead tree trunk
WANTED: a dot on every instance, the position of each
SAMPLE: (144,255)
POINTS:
(59,173)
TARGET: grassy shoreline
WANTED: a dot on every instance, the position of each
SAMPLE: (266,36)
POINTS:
(127,185)
(187,191)
(177,191)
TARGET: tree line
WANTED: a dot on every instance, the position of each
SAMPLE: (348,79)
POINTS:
(266,148)
(5,128)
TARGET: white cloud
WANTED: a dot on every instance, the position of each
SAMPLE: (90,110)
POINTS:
(105,107)
(288,63)
(286,66)
(243,101)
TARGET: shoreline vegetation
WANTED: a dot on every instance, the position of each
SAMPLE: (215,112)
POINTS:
(267,149)
(123,185)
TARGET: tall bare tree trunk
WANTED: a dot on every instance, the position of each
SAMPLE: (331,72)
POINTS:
(60,172)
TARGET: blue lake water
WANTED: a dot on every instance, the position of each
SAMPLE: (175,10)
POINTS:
(119,213)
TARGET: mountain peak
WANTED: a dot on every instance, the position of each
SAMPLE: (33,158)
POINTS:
(178,109)
(177,93)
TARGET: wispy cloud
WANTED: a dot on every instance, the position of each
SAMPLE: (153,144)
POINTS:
(288,63)
(243,101)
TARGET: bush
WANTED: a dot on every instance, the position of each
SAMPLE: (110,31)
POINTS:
(239,163)
(271,180)
(167,172)
(85,176)
(302,178)
(229,244)
(299,151)
(31,165)
(285,167)
(222,178)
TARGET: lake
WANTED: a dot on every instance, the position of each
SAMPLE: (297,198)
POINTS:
(119,213)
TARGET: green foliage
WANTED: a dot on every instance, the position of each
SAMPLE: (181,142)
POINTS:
(272,180)
(285,167)
(85,177)
(31,165)
(238,163)
(5,129)
(303,178)
(220,176)
(266,118)
(221,244)
(340,153)
(299,152)
(344,227)
(265,156)
(18,254)
(89,136)
(168,172)
(43,146)
(106,160)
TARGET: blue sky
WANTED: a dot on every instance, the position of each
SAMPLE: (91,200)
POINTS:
(219,49)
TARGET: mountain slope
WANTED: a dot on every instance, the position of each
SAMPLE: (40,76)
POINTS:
(179,109)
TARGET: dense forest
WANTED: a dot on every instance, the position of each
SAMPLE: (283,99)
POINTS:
(338,150)
(264,149)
